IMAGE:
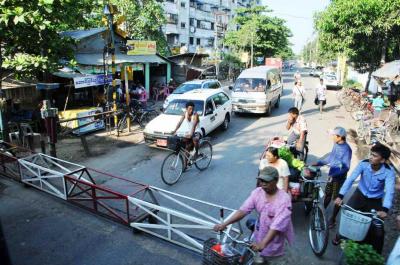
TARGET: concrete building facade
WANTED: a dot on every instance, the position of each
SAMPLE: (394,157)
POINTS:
(194,24)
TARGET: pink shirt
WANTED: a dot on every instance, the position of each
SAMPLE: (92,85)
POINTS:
(276,215)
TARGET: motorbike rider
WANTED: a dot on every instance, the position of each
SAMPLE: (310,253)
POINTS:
(374,191)
(297,127)
(274,226)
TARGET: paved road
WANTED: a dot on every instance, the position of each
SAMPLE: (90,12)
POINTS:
(61,234)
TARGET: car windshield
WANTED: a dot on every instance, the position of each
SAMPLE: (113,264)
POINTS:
(249,85)
(186,88)
(178,106)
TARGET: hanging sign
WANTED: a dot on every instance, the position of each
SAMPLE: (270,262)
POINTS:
(91,80)
(141,47)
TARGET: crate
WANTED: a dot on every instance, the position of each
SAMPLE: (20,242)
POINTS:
(211,257)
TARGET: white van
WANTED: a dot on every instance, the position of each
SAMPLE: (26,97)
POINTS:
(257,90)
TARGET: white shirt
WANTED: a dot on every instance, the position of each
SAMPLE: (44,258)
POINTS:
(280,165)
(186,127)
(320,91)
(299,92)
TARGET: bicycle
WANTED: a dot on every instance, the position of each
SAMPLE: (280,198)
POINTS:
(237,252)
(180,159)
(136,113)
(355,225)
(318,231)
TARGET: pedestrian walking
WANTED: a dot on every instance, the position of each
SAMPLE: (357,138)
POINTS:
(320,95)
(297,77)
(298,95)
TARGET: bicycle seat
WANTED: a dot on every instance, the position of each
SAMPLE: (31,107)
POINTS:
(251,224)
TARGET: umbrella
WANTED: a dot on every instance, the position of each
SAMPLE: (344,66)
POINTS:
(388,71)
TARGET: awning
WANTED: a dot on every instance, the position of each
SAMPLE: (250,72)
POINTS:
(10,83)
(97,59)
(389,71)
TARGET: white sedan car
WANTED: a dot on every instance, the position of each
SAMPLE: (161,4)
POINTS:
(330,80)
(213,106)
(192,85)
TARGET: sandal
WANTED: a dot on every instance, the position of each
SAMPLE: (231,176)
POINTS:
(336,241)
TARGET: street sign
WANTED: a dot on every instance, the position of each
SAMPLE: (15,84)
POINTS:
(141,47)
(91,80)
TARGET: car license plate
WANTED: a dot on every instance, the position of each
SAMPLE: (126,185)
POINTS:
(321,193)
(162,142)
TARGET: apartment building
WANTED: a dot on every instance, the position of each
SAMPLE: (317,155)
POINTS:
(193,24)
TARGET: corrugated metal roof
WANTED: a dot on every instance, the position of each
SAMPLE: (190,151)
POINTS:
(81,34)
(97,58)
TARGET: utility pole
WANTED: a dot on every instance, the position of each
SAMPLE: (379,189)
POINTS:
(252,50)
(109,11)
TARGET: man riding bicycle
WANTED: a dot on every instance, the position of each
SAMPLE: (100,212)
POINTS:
(375,189)
(297,127)
(186,128)
(274,226)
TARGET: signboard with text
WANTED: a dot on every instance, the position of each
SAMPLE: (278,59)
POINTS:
(141,47)
(91,80)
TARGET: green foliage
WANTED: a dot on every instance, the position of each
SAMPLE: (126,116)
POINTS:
(366,31)
(269,35)
(144,20)
(361,254)
(285,154)
(29,30)
(352,84)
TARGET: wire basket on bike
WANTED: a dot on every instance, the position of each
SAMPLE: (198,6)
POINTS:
(353,225)
(212,257)
(174,142)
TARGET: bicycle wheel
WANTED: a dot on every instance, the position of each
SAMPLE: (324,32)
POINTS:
(122,124)
(147,117)
(205,155)
(318,231)
(172,168)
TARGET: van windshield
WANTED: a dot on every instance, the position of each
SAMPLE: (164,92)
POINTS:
(249,85)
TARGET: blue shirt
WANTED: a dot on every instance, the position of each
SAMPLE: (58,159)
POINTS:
(338,161)
(373,185)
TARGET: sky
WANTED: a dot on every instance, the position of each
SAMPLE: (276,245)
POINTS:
(299,17)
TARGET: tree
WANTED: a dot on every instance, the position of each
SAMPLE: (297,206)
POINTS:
(268,35)
(30,43)
(364,30)
(143,21)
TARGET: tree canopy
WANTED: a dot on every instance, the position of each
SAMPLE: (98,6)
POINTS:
(30,43)
(270,35)
(365,30)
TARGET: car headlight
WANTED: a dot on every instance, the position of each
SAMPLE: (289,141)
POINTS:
(261,101)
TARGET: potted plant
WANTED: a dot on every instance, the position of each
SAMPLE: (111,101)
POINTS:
(359,254)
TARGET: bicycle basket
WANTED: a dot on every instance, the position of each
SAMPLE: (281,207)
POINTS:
(211,257)
(174,142)
(354,225)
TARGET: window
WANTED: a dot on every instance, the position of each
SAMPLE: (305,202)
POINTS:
(198,41)
(183,25)
(217,101)
(212,25)
(209,107)
(183,4)
(191,40)
(198,23)
(224,98)
(172,18)
(191,21)
(213,85)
